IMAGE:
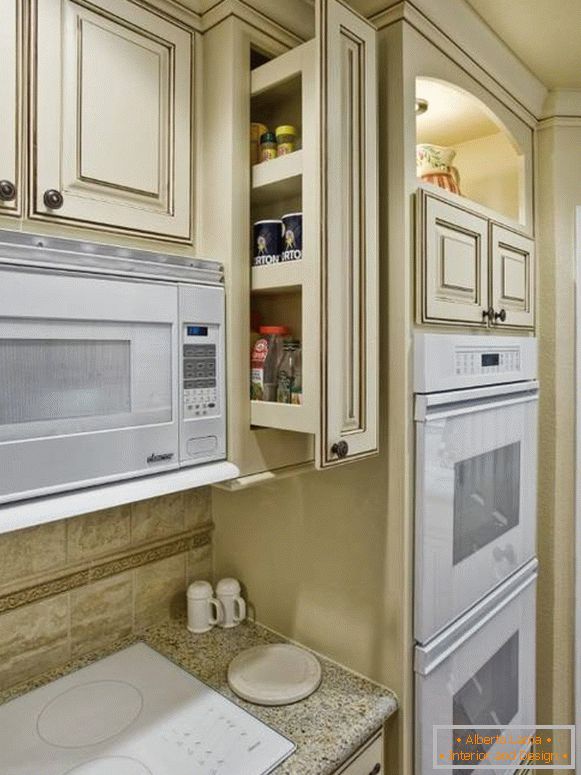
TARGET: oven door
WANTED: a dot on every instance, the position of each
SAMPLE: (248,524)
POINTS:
(88,381)
(480,672)
(475,497)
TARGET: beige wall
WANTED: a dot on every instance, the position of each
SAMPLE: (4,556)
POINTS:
(559,192)
(490,173)
(69,587)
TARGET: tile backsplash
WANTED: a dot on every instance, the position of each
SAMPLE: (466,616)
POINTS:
(70,587)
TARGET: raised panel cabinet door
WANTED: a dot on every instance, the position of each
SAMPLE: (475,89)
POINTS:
(349,234)
(453,263)
(112,118)
(10,106)
(513,278)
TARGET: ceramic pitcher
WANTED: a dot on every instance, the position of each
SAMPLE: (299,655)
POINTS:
(434,165)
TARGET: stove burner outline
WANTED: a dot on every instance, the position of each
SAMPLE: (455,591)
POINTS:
(110,702)
(78,768)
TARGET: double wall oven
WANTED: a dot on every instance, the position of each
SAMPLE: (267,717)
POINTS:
(475,534)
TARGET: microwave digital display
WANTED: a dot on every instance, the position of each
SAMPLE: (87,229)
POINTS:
(490,359)
(197,331)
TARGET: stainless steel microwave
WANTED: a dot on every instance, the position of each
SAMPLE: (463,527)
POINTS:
(111,364)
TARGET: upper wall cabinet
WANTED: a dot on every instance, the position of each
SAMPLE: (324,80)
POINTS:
(11,102)
(112,118)
(471,270)
(326,292)
(349,249)
(331,293)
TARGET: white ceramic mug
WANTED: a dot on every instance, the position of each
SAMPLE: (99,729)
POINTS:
(232,605)
(204,611)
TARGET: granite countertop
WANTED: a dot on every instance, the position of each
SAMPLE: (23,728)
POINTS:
(327,727)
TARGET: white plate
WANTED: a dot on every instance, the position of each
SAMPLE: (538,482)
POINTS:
(277,674)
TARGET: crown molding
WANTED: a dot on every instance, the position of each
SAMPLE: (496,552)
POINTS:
(461,33)
(562,103)
(292,21)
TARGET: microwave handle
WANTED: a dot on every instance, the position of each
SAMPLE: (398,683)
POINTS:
(425,413)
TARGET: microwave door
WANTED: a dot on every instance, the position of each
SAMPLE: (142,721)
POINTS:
(87,379)
(475,502)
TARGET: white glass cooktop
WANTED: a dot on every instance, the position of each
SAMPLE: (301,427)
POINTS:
(134,713)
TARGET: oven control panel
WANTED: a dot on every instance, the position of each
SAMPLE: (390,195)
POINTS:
(456,361)
(200,371)
(475,361)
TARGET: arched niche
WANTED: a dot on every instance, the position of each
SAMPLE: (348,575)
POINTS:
(489,160)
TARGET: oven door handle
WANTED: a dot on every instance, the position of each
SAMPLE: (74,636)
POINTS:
(424,412)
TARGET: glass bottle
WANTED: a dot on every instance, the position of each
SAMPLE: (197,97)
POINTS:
(289,387)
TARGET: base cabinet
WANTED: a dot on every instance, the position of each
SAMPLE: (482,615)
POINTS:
(471,270)
(367,761)
(112,118)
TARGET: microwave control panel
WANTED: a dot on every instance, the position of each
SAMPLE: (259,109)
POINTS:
(200,371)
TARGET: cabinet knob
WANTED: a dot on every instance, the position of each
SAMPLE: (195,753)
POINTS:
(500,315)
(376,770)
(53,199)
(489,313)
(340,448)
(7,191)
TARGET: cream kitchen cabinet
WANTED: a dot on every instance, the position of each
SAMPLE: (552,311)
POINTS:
(11,102)
(513,277)
(471,270)
(367,761)
(326,87)
(112,118)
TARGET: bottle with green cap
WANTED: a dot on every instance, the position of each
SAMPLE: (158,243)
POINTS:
(268,149)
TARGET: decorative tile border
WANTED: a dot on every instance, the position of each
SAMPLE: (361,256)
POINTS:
(133,558)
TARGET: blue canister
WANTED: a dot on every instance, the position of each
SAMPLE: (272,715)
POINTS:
(292,237)
(267,243)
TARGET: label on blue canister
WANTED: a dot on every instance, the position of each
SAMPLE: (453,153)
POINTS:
(267,243)
(292,237)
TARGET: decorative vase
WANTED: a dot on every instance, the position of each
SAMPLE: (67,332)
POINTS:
(434,165)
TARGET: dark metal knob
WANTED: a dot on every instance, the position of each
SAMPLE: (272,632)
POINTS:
(500,315)
(7,191)
(488,313)
(340,448)
(376,770)
(53,199)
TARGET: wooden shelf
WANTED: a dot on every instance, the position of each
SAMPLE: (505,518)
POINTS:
(280,178)
(286,417)
(281,76)
(277,277)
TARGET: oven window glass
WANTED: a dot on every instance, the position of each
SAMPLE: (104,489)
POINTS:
(490,696)
(486,498)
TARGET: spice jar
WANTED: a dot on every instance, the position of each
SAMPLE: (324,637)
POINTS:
(256,132)
(268,146)
(286,138)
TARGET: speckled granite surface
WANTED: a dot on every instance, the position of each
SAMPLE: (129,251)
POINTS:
(327,727)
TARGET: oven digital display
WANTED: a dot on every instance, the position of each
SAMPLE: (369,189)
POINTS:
(490,359)
(197,331)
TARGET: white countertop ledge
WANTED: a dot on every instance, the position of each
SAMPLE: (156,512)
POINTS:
(39,511)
